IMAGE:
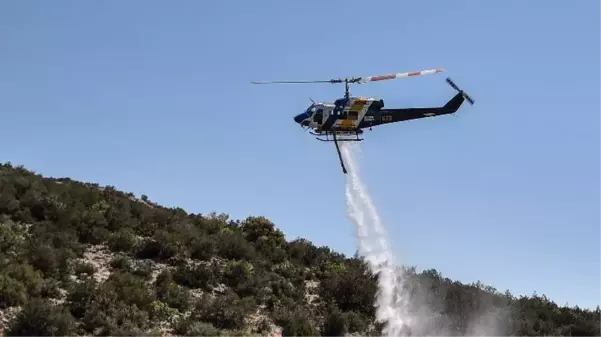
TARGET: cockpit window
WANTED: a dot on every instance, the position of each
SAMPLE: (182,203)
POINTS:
(310,110)
(314,108)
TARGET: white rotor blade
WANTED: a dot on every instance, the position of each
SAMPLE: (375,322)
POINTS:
(400,75)
(290,82)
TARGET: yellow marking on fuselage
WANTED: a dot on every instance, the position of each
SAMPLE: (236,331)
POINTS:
(346,123)
(358,105)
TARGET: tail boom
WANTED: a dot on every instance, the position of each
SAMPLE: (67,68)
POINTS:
(387,116)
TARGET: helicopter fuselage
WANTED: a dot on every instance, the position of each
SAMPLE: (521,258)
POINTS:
(342,115)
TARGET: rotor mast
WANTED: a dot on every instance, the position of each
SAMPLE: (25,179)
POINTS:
(347,89)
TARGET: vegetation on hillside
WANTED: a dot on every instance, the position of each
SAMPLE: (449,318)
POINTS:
(78,258)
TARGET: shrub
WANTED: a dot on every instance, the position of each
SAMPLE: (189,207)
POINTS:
(40,318)
(224,312)
(123,241)
(12,292)
(335,323)
(295,322)
(168,291)
(200,276)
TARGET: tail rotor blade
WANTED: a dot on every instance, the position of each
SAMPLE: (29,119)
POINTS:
(463,93)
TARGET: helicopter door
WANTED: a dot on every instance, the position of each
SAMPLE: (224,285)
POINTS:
(339,111)
(327,112)
(318,116)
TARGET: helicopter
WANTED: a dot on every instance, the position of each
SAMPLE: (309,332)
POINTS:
(346,118)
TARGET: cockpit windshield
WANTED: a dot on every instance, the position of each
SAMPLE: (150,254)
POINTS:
(311,110)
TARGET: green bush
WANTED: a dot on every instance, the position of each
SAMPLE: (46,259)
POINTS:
(12,292)
(356,322)
(40,318)
(32,279)
(109,314)
(233,246)
(295,322)
(123,241)
(81,296)
(122,263)
(43,258)
(224,312)
(335,323)
(200,276)
(130,289)
(168,291)
(350,290)
(12,236)
(203,248)
(190,327)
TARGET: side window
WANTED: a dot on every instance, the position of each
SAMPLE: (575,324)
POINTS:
(318,117)
(340,104)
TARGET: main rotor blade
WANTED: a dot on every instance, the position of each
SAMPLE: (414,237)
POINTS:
(363,79)
(399,75)
(293,82)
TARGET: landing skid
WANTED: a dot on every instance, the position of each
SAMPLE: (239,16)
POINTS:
(336,136)
(335,139)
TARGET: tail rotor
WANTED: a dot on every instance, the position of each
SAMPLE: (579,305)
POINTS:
(463,93)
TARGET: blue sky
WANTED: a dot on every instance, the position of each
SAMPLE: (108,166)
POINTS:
(155,98)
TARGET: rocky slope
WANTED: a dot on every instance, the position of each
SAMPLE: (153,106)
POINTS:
(81,259)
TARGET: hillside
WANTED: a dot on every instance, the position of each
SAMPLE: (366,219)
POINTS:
(78,258)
